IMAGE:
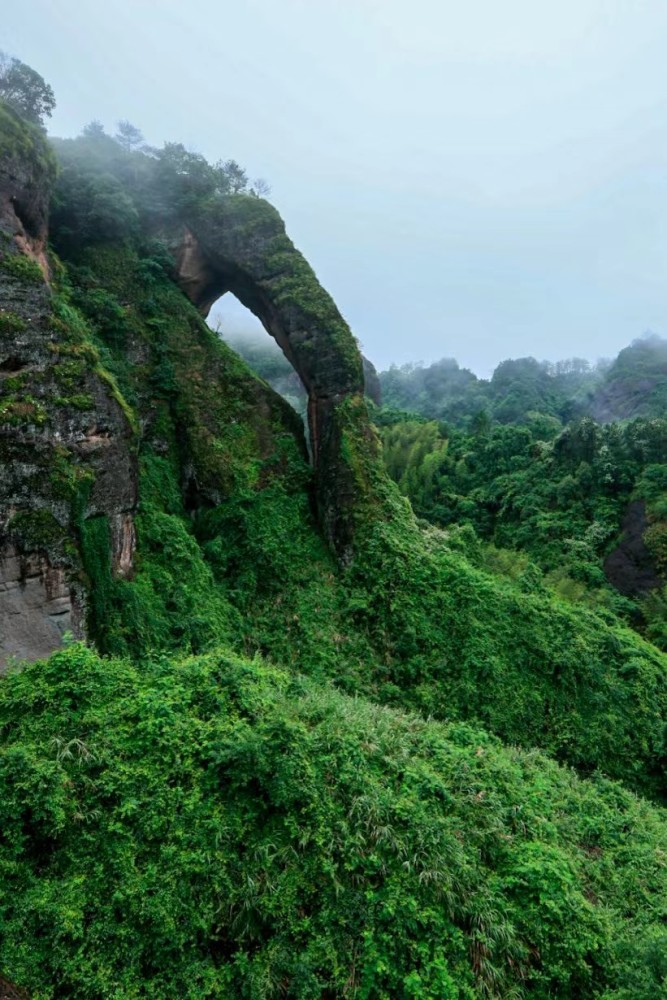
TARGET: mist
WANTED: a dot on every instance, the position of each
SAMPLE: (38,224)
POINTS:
(480,182)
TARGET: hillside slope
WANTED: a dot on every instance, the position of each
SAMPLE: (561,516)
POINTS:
(170,808)
(214,828)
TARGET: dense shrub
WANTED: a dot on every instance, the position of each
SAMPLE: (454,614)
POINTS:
(213,827)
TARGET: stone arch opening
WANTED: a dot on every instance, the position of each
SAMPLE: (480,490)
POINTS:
(242,331)
(233,321)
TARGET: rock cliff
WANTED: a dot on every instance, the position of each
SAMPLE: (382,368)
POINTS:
(66,445)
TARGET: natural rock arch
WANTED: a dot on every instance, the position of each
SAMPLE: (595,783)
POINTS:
(238,244)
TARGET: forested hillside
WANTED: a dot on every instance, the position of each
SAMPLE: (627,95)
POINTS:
(632,385)
(292,740)
(582,501)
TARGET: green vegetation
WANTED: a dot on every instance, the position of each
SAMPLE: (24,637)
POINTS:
(25,91)
(636,383)
(411,623)
(633,385)
(445,391)
(21,409)
(21,268)
(24,153)
(36,529)
(173,601)
(232,555)
(280,774)
(20,140)
(559,496)
(213,827)
(108,188)
(11,323)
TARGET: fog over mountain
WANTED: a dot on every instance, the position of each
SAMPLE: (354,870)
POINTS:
(479,180)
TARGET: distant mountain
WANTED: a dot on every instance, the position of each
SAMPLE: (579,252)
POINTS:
(636,383)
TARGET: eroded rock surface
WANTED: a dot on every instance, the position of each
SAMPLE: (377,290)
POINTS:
(66,449)
(372,386)
(10,992)
(630,567)
(37,606)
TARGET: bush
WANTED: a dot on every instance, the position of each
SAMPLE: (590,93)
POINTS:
(11,323)
(22,268)
(212,827)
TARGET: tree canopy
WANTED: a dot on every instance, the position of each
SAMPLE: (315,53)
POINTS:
(25,90)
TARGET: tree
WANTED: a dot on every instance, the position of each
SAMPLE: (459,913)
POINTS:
(90,208)
(128,135)
(260,188)
(94,130)
(25,90)
(184,178)
(236,176)
(480,425)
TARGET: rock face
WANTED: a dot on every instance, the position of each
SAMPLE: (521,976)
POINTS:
(372,386)
(27,171)
(10,992)
(630,567)
(65,442)
(239,245)
(242,247)
(36,606)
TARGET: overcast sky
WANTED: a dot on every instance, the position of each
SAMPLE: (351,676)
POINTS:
(474,179)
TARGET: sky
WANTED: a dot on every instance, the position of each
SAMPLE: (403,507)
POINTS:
(478,180)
